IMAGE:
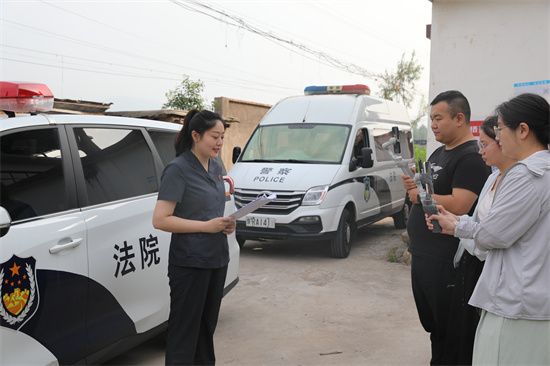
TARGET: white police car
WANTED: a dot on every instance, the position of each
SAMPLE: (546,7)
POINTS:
(323,156)
(83,273)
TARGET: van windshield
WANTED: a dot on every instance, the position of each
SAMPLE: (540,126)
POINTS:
(300,143)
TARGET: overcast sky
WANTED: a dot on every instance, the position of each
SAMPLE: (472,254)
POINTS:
(131,53)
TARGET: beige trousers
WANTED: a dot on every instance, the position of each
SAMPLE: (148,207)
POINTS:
(503,341)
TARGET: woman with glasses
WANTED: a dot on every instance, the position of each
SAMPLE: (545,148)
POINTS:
(513,290)
(464,318)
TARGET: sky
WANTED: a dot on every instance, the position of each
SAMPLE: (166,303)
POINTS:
(131,53)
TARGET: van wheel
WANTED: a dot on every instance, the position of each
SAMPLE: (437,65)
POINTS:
(340,246)
(401,218)
(240,240)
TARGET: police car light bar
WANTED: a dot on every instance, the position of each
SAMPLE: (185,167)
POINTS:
(337,89)
(18,97)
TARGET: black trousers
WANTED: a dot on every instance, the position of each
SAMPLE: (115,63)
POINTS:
(464,318)
(195,300)
(432,285)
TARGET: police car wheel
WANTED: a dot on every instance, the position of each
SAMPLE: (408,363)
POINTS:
(340,246)
(400,219)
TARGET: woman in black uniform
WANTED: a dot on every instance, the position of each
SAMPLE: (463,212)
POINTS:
(190,205)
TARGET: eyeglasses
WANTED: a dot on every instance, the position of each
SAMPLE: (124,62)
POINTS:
(483,147)
(497,131)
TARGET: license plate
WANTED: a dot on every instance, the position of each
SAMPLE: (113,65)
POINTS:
(253,221)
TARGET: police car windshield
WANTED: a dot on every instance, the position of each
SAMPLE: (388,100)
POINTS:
(297,143)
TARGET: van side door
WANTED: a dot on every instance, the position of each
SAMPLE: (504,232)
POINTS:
(388,183)
(366,202)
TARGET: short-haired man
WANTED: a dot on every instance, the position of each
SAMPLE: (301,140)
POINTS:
(459,174)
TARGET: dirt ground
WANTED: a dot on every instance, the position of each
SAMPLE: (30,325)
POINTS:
(296,305)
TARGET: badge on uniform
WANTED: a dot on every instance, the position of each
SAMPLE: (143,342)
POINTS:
(366,181)
(19,291)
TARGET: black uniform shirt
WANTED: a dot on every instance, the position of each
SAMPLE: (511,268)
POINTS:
(200,195)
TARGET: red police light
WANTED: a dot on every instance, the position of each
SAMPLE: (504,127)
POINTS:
(21,97)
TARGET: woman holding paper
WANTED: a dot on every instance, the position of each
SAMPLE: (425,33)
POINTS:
(190,205)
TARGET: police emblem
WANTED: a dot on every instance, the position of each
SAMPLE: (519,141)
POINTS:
(19,291)
(366,181)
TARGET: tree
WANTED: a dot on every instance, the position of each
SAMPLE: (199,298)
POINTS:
(186,96)
(400,86)
(423,111)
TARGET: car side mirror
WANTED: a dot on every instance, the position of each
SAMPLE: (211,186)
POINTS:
(5,221)
(236,153)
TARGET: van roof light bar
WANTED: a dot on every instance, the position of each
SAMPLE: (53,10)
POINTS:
(337,89)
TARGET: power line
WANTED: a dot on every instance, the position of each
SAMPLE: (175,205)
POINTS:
(154,42)
(243,85)
(240,23)
(235,80)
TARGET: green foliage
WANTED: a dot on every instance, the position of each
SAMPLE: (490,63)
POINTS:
(400,86)
(423,111)
(420,132)
(186,96)
(391,256)
(419,153)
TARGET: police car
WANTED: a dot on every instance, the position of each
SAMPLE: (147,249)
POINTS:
(83,273)
(323,156)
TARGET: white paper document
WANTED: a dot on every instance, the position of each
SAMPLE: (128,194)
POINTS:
(253,206)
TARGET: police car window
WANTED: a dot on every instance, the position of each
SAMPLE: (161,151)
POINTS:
(32,174)
(313,143)
(117,164)
(164,143)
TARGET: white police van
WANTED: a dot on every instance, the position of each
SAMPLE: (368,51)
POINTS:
(83,273)
(322,155)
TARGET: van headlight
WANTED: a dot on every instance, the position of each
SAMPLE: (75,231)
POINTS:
(315,196)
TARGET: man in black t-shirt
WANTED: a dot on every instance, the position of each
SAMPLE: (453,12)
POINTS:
(459,174)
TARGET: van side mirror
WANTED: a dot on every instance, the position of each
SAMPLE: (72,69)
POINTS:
(366,158)
(5,221)
(236,153)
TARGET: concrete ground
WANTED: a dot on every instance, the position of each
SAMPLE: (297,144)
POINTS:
(296,305)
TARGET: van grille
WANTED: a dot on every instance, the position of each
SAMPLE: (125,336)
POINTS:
(285,203)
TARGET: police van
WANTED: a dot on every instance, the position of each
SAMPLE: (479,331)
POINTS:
(322,154)
(83,273)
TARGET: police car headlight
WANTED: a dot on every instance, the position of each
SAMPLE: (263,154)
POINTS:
(315,196)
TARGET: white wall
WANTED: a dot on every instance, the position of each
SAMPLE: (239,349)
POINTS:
(483,47)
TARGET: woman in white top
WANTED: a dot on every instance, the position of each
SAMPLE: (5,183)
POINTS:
(492,155)
(513,290)
(464,318)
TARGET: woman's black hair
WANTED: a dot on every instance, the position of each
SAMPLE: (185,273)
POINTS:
(528,108)
(487,126)
(199,122)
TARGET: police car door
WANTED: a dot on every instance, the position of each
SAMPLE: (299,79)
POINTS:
(128,258)
(44,268)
